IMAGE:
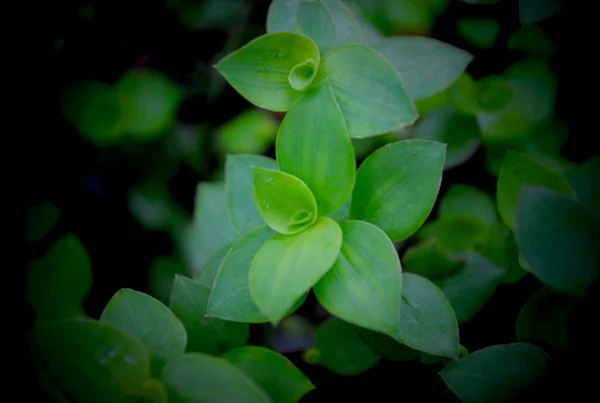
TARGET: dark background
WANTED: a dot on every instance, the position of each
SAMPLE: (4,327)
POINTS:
(90,188)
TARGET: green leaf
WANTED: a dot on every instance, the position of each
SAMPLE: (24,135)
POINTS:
(494,93)
(329,22)
(285,202)
(342,213)
(480,32)
(288,266)
(517,170)
(459,132)
(90,361)
(472,286)
(340,349)
(427,66)
(251,132)
(429,259)
(199,378)
(58,283)
(260,70)
(274,373)
(496,374)
(458,233)
(467,200)
(303,74)
(41,218)
(161,275)
(558,238)
(368,90)
(205,335)
(534,11)
(141,315)
(211,218)
(209,271)
(303,151)
(230,295)
(502,250)
(532,39)
(463,95)
(397,185)
(544,319)
(427,105)
(365,283)
(427,321)
(586,184)
(386,346)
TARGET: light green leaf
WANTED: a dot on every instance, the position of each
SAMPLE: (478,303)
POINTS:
(251,132)
(459,132)
(368,90)
(472,286)
(161,274)
(230,296)
(260,70)
(205,335)
(496,374)
(397,185)
(365,283)
(494,93)
(427,66)
(303,74)
(209,271)
(211,218)
(480,32)
(558,238)
(200,378)
(427,321)
(41,218)
(141,315)
(284,201)
(462,199)
(340,349)
(305,152)
(386,346)
(288,266)
(90,361)
(586,184)
(517,170)
(534,11)
(429,259)
(502,250)
(58,283)
(274,373)
(544,319)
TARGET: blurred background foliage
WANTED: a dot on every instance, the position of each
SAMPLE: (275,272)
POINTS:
(136,118)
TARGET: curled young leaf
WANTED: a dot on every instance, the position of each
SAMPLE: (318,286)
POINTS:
(285,202)
(260,70)
(303,74)
(365,283)
(288,266)
(427,66)
(313,145)
(397,185)
(368,90)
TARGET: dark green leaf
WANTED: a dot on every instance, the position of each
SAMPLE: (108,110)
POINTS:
(205,335)
(340,349)
(365,283)
(427,321)
(458,131)
(141,316)
(517,170)
(558,238)
(429,259)
(494,93)
(531,39)
(502,250)
(90,361)
(465,200)
(586,184)
(427,66)
(58,283)
(496,374)
(41,219)
(481,32)
(260,70)
(288,266)
(303,151)
(160,277)
(397,185)
(274,373)
(457,233)
(199,378)
(284,201)
(386,346)
(534,11)
(472,286)
(463,95)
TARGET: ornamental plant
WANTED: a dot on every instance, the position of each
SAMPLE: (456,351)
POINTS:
(309,220)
